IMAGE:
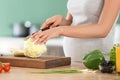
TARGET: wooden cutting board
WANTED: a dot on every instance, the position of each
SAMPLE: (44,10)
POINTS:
(42,62)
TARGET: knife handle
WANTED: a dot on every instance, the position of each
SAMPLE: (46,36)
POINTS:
(45,29)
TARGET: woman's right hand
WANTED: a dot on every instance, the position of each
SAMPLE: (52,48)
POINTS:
(55,21)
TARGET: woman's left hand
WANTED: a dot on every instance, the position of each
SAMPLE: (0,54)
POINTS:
(42,37)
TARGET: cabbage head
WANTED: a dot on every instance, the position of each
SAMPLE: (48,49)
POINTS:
(33,50)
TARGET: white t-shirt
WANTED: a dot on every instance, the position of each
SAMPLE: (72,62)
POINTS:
(86,12)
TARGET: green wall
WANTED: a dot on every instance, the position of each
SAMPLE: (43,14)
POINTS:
(36,11)
(118,19)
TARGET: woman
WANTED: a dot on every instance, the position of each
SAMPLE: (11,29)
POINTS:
(88,26)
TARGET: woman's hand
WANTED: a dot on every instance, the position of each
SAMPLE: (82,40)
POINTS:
(44,36)
(55,21)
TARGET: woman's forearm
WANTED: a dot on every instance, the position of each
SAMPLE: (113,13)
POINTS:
(99,30)
(91,31)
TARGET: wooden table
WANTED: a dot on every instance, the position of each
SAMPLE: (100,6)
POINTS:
(18,73)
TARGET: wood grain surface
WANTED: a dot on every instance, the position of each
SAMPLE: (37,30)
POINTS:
(42,62)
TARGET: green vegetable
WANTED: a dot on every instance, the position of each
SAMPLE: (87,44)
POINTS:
(57,71)
(112,55)
(93,59)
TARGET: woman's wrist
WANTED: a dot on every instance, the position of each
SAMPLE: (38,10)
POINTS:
(60,30)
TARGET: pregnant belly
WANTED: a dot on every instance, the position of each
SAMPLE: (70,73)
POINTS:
(76,48)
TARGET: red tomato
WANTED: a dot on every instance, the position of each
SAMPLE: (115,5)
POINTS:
(6,67)
(1,68)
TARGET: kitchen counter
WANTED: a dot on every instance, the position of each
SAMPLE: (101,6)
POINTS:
(54,46)
(18,73)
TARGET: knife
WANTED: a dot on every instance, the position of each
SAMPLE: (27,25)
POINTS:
(36,32)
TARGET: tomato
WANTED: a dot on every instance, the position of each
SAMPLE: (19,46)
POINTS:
(6,67)
(1,68)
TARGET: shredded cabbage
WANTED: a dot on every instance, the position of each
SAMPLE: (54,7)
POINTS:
(33,50)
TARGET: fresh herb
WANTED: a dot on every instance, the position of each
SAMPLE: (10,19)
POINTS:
(57,71)
(112,54)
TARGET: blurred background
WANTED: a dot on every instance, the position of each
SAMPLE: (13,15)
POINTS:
(14,13)
(19,18)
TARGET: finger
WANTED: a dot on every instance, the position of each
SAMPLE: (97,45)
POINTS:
(47,23)
(44,42)
(36,36)
(41,39)
(36,39)
(54,25)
